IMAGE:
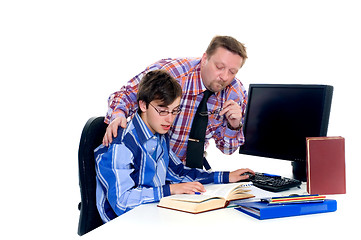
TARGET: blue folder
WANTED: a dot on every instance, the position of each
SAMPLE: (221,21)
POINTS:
(261,210)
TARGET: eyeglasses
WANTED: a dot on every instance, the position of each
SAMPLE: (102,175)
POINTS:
(166,112)
(217,111)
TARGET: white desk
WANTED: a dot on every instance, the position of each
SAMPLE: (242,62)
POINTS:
(152,222)
(158,223)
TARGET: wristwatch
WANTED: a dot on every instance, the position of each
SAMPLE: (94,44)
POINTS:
(235,129)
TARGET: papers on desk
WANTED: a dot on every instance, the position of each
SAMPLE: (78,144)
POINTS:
(258,193)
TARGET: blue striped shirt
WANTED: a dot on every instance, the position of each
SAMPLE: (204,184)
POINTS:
(137,168)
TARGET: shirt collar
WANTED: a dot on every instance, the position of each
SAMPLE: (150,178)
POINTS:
(143,132)
(197,80)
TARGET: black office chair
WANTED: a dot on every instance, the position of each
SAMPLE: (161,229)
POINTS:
(91,138)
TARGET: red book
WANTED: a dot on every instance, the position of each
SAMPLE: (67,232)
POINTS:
(326,165)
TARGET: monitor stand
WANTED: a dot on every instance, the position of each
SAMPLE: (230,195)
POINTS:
(299,171)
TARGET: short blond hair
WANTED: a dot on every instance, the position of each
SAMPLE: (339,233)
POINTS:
(229,43)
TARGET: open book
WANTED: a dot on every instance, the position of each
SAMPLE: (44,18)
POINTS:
(216,196)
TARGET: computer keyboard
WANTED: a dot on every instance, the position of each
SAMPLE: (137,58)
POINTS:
(273,183)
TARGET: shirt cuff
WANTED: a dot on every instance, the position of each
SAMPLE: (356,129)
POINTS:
(221,177)
(160,192)
(117,113)
(166,190)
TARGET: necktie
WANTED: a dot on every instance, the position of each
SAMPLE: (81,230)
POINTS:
(195,147)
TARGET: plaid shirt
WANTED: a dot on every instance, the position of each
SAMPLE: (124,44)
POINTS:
(187,72)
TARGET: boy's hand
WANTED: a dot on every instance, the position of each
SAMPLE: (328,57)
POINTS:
(112,130)
(186,188)
(236,176)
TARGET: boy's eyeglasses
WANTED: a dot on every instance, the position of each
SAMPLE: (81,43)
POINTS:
(217,111)
(166,112)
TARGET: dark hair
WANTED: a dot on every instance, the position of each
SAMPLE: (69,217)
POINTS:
(229,43)
(158,85)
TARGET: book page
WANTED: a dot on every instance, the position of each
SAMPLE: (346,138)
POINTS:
(191,197)
(223,190)
(212,191)
(259,194)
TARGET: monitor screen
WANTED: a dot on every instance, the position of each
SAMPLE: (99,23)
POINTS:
(279,117)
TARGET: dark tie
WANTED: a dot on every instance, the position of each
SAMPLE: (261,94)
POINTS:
(195,147)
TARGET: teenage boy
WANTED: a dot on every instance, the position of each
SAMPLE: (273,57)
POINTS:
(139,166)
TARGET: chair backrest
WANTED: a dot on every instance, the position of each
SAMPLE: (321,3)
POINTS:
(91,138)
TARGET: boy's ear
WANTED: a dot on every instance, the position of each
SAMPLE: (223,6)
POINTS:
(142,105)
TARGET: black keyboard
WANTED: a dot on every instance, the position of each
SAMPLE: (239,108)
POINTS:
(273,183)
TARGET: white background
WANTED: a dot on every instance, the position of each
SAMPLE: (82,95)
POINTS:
(60,60)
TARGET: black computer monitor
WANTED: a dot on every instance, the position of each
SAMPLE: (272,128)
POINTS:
(279,117)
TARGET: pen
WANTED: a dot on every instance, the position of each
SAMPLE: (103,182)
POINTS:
(197,193)
(294,199)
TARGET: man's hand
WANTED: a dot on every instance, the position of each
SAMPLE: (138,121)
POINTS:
(232,112)
(112,130)
(236,176)
(186,188)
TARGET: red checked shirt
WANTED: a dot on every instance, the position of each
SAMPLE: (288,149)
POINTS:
(187,72)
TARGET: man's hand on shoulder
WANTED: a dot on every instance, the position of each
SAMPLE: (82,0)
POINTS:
(112,130)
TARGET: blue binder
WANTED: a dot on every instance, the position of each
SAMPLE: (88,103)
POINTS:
(261,210)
